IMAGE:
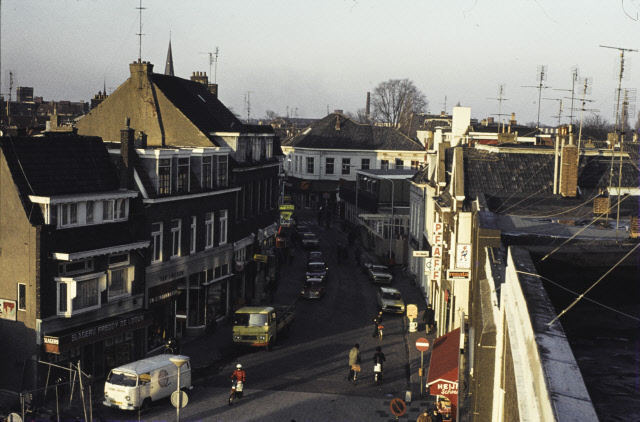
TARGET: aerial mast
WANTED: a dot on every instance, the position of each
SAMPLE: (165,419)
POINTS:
(542,76)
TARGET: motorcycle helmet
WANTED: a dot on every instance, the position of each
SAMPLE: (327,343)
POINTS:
(239,366)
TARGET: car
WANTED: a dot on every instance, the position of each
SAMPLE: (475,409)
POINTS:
(318,270)
(378,273)
(302,229)
(313,289)
(315,256)
(310,241)
(390,300)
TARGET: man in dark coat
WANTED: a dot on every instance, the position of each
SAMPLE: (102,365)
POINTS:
(377,321)
(429,318)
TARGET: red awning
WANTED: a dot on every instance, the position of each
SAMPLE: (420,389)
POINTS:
(443,369)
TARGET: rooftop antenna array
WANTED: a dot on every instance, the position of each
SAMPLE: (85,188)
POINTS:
(542,76)
(445,104)
(621,74)
(584,88)
(501,94)
(213,60)
(559,116)
(575,80)
(140,34)
(247,102)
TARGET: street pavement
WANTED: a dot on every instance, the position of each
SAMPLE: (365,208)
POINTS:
(304,377)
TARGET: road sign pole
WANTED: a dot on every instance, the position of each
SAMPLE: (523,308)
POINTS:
(421,371)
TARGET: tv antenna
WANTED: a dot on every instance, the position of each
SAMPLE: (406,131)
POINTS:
(575,79)
(213,60)
(501,93)
(140,34)
(247,102)
(542,76)
(584,88)
(559,100)
(445,104)
(620,76)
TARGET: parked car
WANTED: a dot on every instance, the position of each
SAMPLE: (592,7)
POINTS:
(315,256)
(378,273)
(302,229)
(310,241)
(318,270)
(390,300)
(313,289)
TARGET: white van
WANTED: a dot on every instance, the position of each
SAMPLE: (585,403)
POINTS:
(137,384)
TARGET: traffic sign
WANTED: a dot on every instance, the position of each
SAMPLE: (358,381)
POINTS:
(421,254)
(179,395)
(422,344)
(260,258)
(398,407)
(287,207)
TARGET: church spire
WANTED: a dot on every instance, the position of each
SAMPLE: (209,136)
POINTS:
(168,69)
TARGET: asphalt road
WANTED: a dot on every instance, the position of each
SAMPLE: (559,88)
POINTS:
(304,377)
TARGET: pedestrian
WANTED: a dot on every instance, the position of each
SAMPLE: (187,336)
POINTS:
(435,415)
(425,416)
(354,362)
(428,318)
(378,359)
(377,320)
(339,252)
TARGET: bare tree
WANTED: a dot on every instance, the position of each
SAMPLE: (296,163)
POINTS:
(596,127)
(359,116)
(270,115)
(394,101)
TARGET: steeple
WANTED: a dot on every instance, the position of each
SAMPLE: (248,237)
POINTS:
(168,69)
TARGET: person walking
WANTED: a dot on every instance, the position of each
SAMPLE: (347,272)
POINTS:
(378,359)
(429,318)
(425,416)
(354,362)
(435,415)
(377,320)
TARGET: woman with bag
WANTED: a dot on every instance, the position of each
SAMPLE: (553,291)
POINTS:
(354,363)
(378,361)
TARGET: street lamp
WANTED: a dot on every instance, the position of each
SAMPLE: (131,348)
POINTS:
(391,222)
(178,361)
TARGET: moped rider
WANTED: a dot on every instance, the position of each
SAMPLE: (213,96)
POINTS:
(238,375)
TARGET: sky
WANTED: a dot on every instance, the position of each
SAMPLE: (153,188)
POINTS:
(306,58)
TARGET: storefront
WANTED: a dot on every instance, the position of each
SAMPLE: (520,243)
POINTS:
(442,380)
(100,345)
(161,302)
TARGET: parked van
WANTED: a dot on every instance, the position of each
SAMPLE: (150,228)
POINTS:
(137,384)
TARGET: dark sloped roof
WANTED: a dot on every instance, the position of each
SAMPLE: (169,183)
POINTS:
(351,135)
(201,107)
(52,166)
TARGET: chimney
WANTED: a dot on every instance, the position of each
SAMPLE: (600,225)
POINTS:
(127,150)
(368,105)
(483,122)
(200,77)
(489,121)
(338,111)
(141,140)
(213,88)
(513,119)
(140,72)
(337,122)
(569,171)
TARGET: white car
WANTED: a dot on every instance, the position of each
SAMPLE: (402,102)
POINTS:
(379,274)
(390,300)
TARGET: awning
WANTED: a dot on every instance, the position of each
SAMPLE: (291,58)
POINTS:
(92,332)
(442,379)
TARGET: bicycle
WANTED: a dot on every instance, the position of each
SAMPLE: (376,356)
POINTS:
(380,327)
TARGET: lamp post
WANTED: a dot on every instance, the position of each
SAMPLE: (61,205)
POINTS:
(178,361)
(391,222)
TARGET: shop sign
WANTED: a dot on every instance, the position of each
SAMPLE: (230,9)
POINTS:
(437,251)
(437,239)
(421,254)
(434,275)
(432,264)
(463,256)
(163,292)
(286,207)
(91,334)
(8,309)
(260,258)
(458,275)
(438,228)
(444,388)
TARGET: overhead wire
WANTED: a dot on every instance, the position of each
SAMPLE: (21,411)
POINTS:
(575,293)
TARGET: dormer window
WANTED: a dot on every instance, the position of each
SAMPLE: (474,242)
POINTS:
(113,209)
(164,176)
(183,175)
(206,172)
(223,177)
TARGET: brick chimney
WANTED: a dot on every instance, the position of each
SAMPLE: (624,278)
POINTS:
(337,122)
(513,119)
(569,170)
(140,72)
(368,107)
(127,150)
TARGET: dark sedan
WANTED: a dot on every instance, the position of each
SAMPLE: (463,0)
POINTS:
(313,289)
(318,270)
(310,241)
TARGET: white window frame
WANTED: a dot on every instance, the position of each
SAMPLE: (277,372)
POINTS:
(346,166)
(67,216)
(362,161)
(156,243)
(63,270)
(310,164)
(207,173)
(22,307)
(114,210)
(71,283)
(192,239)
(164,165)
(331,163)
(182,163)
(209,232)
(176,237)
(222,179)
(269,147)
(89,212)
(223,227)
(128,283)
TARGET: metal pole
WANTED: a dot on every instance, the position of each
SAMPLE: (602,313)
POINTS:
(356,196)
(179,397)
(84,406)
(57,405)
(421,371)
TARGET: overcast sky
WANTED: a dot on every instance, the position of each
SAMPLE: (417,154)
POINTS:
(310,56)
